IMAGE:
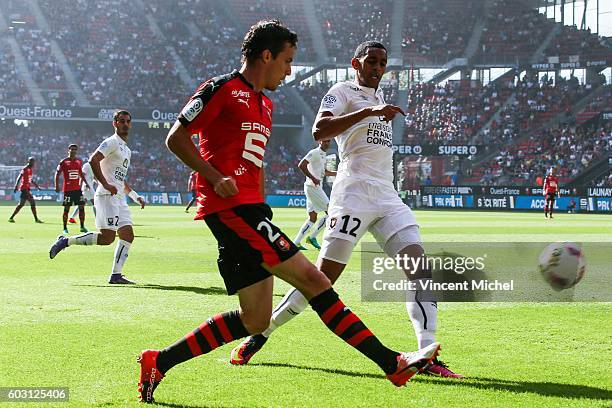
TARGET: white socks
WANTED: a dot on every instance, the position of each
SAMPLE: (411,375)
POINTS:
(303,230)
(89,238)
(423,313)
(318,227)
(292,304)
(121,254)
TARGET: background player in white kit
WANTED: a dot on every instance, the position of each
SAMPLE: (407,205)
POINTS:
(110,163)
(87,186)
(363,198)
(313,167)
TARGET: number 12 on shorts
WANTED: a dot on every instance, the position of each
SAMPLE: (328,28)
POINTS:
(346,222)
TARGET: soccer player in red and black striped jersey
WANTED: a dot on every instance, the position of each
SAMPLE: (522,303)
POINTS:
(233,118)
(72,170)
(22,183)
(551,191)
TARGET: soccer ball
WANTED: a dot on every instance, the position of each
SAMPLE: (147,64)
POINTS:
(562,264)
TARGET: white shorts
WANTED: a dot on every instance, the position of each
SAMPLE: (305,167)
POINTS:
(112,212)
(359,206)
(89,193)
(316,199)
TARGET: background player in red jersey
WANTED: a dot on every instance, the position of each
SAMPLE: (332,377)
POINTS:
(233,119)
(71,169)
(22,183)
(191,186)
(551,191)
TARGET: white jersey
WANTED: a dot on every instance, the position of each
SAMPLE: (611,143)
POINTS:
(366,148)
(115,164)
(316,164)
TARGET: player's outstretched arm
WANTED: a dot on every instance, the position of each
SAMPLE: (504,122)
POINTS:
(35,184)
(179,143)
(94,162)
(327,126)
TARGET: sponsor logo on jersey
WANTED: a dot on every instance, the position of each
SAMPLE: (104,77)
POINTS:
(241,94)
(192,109)
(255,126)
(380,134)
(329,101)
(240,170)
(245,101)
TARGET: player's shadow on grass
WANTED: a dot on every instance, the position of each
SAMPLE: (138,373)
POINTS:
(213,290)
(549,389)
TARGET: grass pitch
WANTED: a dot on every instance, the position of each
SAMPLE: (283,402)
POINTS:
(62,325)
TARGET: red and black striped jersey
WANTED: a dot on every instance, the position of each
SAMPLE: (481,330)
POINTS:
(71,170)
(26,178)
(234,124)
(551,184)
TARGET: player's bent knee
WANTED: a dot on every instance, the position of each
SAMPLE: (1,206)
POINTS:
(106,237)
(313,278)
(126,233)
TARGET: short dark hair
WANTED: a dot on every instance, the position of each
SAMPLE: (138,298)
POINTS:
(362,49)
(266,35)
(73,145)
(119,112)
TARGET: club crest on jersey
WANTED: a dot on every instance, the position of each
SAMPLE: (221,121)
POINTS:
(192,109)
(282,244)
(332,222)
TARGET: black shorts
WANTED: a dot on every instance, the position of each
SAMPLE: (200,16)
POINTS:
(247,240)
(26,195)
(74,197)
(551,196)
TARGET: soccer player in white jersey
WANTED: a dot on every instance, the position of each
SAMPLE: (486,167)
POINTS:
(363,198)
(87,186)
(313,167)
(110,163)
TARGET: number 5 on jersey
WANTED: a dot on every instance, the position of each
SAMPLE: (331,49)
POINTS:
(253,152)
